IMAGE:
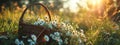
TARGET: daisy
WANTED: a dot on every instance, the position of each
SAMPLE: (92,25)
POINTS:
(41,22)
(57,34)
(68,33)
(18,42)
(34,37)
(46,38)
(31,42)
(54,23)
(60,41)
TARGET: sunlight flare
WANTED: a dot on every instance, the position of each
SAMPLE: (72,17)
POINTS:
(94,2)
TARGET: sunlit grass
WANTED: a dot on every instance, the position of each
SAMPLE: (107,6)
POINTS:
(9,20)
(98,31)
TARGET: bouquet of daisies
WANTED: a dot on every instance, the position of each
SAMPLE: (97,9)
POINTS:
(65,34)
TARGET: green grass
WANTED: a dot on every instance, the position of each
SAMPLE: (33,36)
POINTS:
(97,31)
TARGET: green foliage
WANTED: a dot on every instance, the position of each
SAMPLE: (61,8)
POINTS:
(97,31)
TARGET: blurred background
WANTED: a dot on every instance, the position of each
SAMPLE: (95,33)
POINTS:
(101,8)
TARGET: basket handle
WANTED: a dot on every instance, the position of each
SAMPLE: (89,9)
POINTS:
(21,18)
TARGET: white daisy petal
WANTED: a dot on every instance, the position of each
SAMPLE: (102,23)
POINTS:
(34,37)
(46,38)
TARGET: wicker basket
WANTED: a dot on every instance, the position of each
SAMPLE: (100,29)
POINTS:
(28,29)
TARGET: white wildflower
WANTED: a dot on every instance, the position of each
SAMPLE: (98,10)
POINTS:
(31,42)
(38,19)
(36,23)
(34,37)
(70,27)
(41,22)
(63,24)
(54,23)
(24,36)
(52,36)
(21,43)
(80,42)
(68,33)
(66,40)
(46,18)
(55,36)
(83,35)
(60,41)
(56,33)
(81,30)
(17,42)
(46,38)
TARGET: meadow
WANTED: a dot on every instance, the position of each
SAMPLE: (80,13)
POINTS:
(96,31)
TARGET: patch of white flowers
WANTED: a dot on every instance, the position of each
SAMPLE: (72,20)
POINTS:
(66,41)
(82,33)
(34,38)
(67,30)
(31,41)
(56,36)
(39,22)
(68,33)
(46,37)
(19,42)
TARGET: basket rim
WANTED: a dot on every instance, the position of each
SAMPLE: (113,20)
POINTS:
(46,9)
